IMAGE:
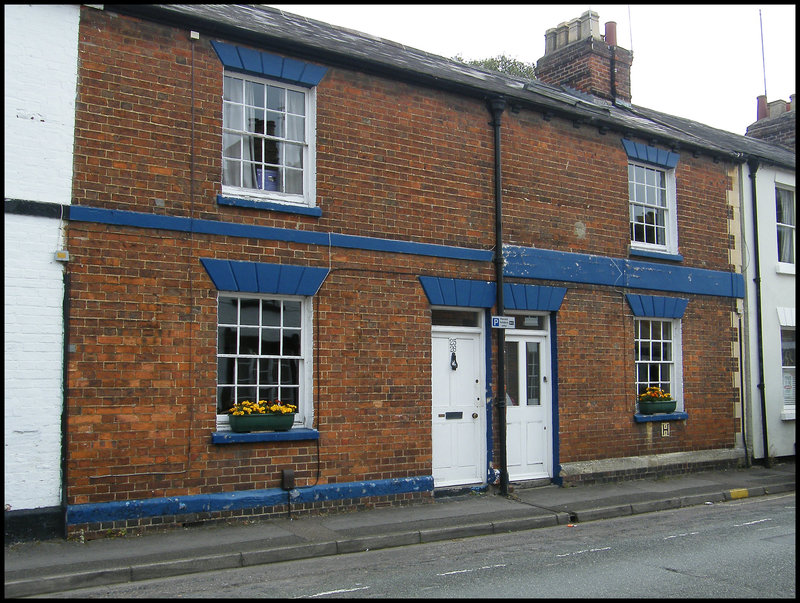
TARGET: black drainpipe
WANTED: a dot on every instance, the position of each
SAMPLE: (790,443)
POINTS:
(496,106)
(752,164)
(64,398)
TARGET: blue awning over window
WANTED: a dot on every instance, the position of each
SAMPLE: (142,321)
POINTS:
(256,277)
(532,297)
(653,155)
(458,292)
(265,64)
(654,306)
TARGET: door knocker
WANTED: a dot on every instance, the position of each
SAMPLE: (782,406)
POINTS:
(453,363)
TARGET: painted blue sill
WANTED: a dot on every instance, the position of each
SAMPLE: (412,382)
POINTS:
(664,416)
(675,257)
(270,205)
(229,437)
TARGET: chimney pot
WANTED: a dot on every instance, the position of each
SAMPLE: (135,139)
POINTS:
(611,33)
(589,25)
(761,107)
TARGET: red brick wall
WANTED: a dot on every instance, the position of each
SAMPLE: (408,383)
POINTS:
(393,161)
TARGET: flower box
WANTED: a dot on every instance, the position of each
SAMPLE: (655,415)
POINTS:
(246,416)
(265,422)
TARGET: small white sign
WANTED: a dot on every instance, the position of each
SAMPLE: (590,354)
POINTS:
(503,322)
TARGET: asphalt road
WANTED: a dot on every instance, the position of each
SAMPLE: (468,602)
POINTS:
(741,548)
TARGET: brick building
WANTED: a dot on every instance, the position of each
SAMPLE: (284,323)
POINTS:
(265,206)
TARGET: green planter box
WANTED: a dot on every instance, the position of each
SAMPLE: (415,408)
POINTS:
(269,422)
(657,406)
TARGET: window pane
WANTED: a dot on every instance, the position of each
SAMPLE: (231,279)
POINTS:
(225,371)
(231,173)
(254,94)
(290,373)
(249,176)
(297,102)
(248,341)
(290,395)
(275,123)
(454,318)
(651,195)
(276,98)
(228,310)
(512,373)
(232,145)
(270,342)
(293,155)
(291,314)
(249,312)
(246,393)
(246,371)
(295,128)
(786,244)
(788,357)
(232,117)
(533,364)
(268,371)
(294,181)
(254,121)
(271,313)
(270,394)
(226,340)
(225,396)
(291,342)
(232,89)
(785,206)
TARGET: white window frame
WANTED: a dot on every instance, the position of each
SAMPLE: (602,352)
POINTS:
(789,229)
(675,382)
(308,197)
(669,209)
(304,416)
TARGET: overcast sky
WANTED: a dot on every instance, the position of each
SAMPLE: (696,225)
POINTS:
(701,62)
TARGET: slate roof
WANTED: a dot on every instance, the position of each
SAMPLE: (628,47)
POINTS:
(272,29)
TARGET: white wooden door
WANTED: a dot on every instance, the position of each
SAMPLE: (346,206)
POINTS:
(529,437)
(459,418)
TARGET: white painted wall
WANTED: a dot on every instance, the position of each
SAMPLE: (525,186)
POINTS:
(33,363)
(777,291)
(41,52)
(41,71)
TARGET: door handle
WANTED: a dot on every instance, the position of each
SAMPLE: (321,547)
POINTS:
(474,415)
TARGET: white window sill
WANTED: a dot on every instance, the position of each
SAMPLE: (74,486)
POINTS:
(783,268)
(787,414)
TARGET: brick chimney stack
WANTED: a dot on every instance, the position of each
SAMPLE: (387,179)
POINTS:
(776,122)
(576,55)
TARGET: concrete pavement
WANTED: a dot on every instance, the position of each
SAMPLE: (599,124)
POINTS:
(34,568)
